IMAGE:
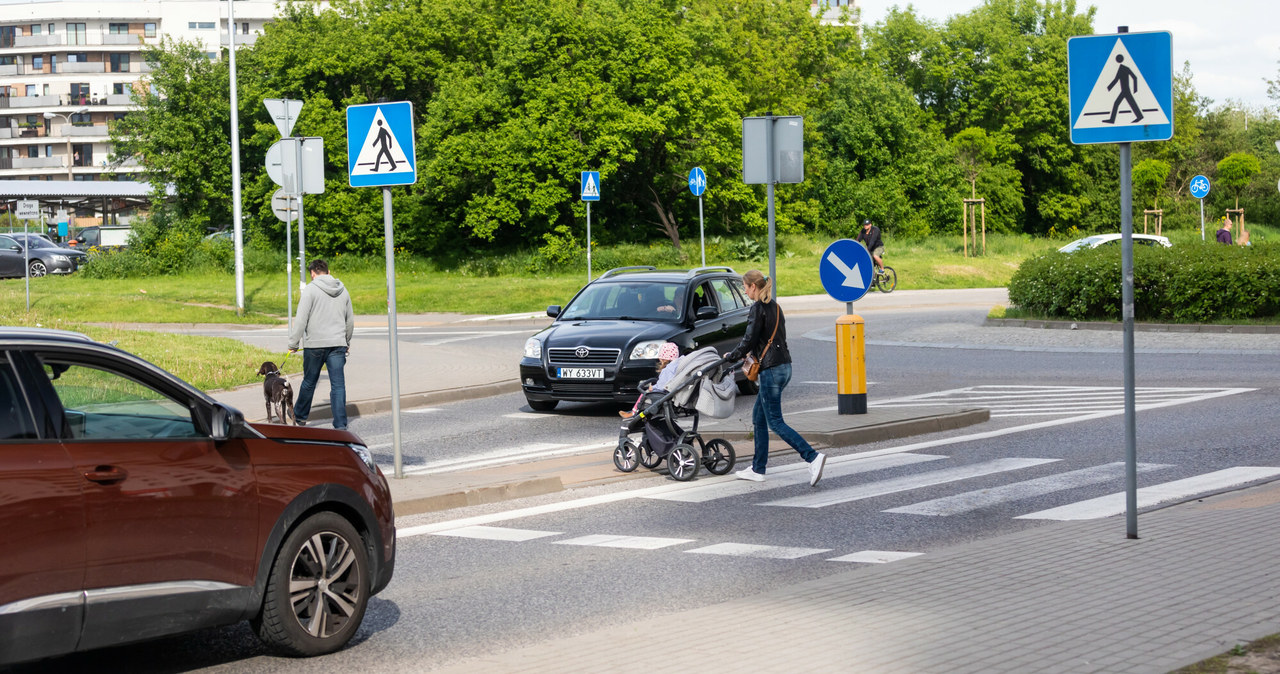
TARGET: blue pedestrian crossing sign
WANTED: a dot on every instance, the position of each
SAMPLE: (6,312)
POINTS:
(845,270)
(1199,187)
(697,181)
(591,186)
(380,145)
(1121,87)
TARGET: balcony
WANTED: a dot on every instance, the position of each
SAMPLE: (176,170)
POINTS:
(37,40)
(82,67)
(31,101)
(9,70)
(30,131)
(85,130)
(38,162)
(241,39)
(121,38)
(6,132)
(119,99)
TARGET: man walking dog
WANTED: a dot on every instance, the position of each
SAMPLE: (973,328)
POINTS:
(323,328)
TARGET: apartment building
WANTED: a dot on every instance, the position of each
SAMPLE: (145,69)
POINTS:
(68,67)
(833,12)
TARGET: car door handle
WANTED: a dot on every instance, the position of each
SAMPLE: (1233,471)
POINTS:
(106,475)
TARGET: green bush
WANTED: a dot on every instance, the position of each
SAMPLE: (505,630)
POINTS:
(1193,283)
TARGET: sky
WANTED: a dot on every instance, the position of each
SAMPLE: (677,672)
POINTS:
(1233,45)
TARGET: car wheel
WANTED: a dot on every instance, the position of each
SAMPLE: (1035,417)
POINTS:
(747,387)
(542,405)
(318,588)
(38,269)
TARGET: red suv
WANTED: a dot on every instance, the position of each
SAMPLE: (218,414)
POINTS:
(134,506)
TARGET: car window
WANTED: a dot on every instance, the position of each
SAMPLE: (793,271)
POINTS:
(7,243)
(1112,242)
(740,290)
(104,405)
(639,300)
(703,296)
(1145,242)
(728,302)
(15,418)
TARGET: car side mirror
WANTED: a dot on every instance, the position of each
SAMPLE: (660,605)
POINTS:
(225,423)
(705,313)
(553,310)
(16,249)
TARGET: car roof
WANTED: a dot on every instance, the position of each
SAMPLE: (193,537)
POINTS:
(653,274)
(16,333)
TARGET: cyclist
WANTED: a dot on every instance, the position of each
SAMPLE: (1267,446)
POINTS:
(870,237)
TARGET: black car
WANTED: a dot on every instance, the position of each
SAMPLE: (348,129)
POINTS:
(46,257)
(605,341)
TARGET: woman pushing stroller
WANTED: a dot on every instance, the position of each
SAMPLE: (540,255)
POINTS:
(766,339)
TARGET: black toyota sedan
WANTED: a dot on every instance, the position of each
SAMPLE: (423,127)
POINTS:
(605,341)
(45,257)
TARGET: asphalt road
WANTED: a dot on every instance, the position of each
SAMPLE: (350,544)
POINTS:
(489,578)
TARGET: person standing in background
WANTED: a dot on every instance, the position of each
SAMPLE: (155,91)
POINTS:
(323,327)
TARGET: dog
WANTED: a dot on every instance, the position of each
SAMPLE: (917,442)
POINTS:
(278,393)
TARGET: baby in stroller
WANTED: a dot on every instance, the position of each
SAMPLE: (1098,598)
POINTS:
(699,383)
(668,357)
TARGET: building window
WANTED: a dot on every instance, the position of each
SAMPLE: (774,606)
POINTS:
(76,34)
(82,119)
(37,63)
(33,151)
(7,34)
(53,63)
(118,28)
(79,93)
(48,150)
(149,29)
(8,60)
(78,57)
(211,55)
(35,29)
(31,90)
(119,63)
(51,29)
(244,28)
(46,90)
(118,88)
(200,25)
(82,154)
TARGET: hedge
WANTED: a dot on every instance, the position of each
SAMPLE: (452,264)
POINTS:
(1197,283)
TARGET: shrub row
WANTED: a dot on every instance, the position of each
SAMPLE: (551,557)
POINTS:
(1195,283)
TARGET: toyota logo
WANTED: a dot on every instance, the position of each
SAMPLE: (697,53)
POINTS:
(582,352)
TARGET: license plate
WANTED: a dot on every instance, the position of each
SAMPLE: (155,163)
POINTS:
(581,372)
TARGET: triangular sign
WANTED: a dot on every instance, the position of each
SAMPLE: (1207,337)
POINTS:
(589,187)
(381,152)
(1121,96)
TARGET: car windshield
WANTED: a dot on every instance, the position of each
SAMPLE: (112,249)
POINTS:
(1087,242)
(632,300)
(37,242)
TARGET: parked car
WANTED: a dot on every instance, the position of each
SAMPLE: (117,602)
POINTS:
(605,341)
(135,506)
(46,257)
(95,236)
(1114,240)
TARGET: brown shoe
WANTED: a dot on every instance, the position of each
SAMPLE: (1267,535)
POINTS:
(626,415)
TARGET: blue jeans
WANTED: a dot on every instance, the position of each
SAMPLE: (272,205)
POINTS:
(333,358)
(767,415)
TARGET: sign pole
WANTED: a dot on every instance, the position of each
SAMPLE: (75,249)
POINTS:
(588,242)
(770,180)
(1201,219)
(1126,299)
(288,267)
(26,254)
(389,244)
(302,249)
(238,216)
(702,233)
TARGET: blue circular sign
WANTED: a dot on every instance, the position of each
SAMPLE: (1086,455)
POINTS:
(697,181)
(845,270)
(1199,187)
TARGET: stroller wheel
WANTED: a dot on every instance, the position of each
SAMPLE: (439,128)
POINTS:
(718,456)
(683,462)
(649,458)
(624,457)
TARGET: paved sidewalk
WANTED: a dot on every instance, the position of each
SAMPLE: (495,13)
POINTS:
(1060,597)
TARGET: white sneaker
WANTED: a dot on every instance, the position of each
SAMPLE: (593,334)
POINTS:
(749,474)
(815,468)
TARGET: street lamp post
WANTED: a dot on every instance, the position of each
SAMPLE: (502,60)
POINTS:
(66,131)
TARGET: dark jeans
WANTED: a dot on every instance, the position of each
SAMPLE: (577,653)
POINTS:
(333,358)
(767,415)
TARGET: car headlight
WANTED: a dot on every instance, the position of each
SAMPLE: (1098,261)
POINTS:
(647,350)
(365,455)
(59,258)
(533,348)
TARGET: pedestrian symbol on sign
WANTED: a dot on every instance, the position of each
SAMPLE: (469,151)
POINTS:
(380,145)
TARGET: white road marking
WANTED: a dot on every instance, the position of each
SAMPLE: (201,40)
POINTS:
(529,415)
(537,450)
(875,557)
(422,410)
(629,542)
(829,497)
(709,492)
(758,551)
(983,498)
(1114,504)
(497,533)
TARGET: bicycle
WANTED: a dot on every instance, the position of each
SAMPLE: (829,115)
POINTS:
(885,279)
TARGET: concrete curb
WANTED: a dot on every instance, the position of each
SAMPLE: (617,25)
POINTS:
(492,493)
(1138,327)
(377,405)
(876,432)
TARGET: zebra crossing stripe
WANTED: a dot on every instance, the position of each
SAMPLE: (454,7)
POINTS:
(829,497)
(791,475)
(758,551)
(984,498)
(1114,504)
(497,533)
(629,542)
(875,557)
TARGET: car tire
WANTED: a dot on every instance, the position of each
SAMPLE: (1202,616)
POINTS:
(542,405)
(322,564)
(746,387)
(37,269)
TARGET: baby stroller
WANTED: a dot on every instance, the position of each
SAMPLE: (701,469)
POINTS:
(703,384)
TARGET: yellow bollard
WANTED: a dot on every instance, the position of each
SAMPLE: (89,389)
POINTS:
(851,365)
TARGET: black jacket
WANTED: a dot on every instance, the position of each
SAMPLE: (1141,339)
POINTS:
(760,324)
(871,237)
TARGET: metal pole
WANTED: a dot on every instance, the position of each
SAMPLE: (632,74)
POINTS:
(702,234)
(288,264)
(66,131)
(235,162)
(773,247)
(26,253)
(302,249)
(389,245)
(1201,219)
(588,242)
(1126,298)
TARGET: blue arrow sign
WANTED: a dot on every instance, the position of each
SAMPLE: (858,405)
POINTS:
(697,181)
(590,186)
(845,270)
(1121,87)
(380,145)
(1199,187)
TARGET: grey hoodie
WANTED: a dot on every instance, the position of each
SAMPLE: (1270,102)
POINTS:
(324,315)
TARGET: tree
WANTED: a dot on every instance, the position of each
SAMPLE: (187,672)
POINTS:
(1149,177)
(974,152)
(1236,170)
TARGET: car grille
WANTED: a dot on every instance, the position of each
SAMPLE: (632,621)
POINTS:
(594,357)
(593,388)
